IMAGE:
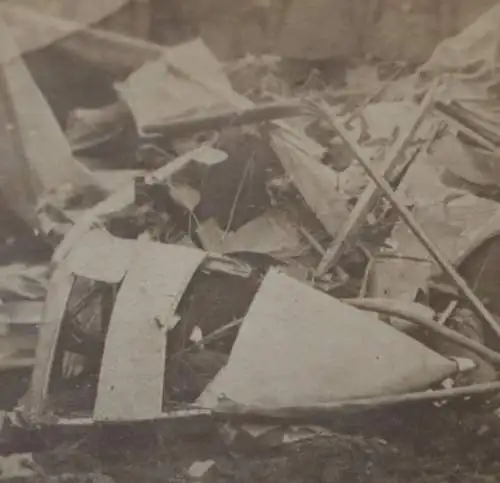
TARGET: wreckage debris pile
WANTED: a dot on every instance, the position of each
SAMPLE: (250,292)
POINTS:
(266,259)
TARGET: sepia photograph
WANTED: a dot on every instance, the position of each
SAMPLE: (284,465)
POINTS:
(250,241)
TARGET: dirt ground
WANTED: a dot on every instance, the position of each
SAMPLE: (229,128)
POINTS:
(414,445)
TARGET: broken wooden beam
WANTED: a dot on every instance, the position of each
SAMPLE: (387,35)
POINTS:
(394,308)
(186,126)
(188,414)
(350,230)
(230,410)
(464,117)
(412,223)
(470,133)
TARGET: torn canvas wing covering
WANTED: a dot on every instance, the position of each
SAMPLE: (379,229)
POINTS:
(35,155)
(465,159)
(468,61)
(298,346)
(131,373)
(467,66)
(273,233)
(447,212)
(181,94)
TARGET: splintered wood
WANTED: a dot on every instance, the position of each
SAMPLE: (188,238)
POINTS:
(132,372)
(409,219)
(349,231)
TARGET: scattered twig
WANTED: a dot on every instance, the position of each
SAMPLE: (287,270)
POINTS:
(213,336)
(443,318)
(312,241)
(365,283)
(237,196)
(341,274)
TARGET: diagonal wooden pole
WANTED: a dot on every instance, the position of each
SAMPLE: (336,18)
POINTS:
(372,192)
(412,223)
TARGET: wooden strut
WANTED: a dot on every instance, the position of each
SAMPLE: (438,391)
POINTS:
(372,192)
(412,223)
(463,117)
(185,126)
(228,408)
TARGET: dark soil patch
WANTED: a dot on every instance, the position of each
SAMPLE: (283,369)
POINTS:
(427,445)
